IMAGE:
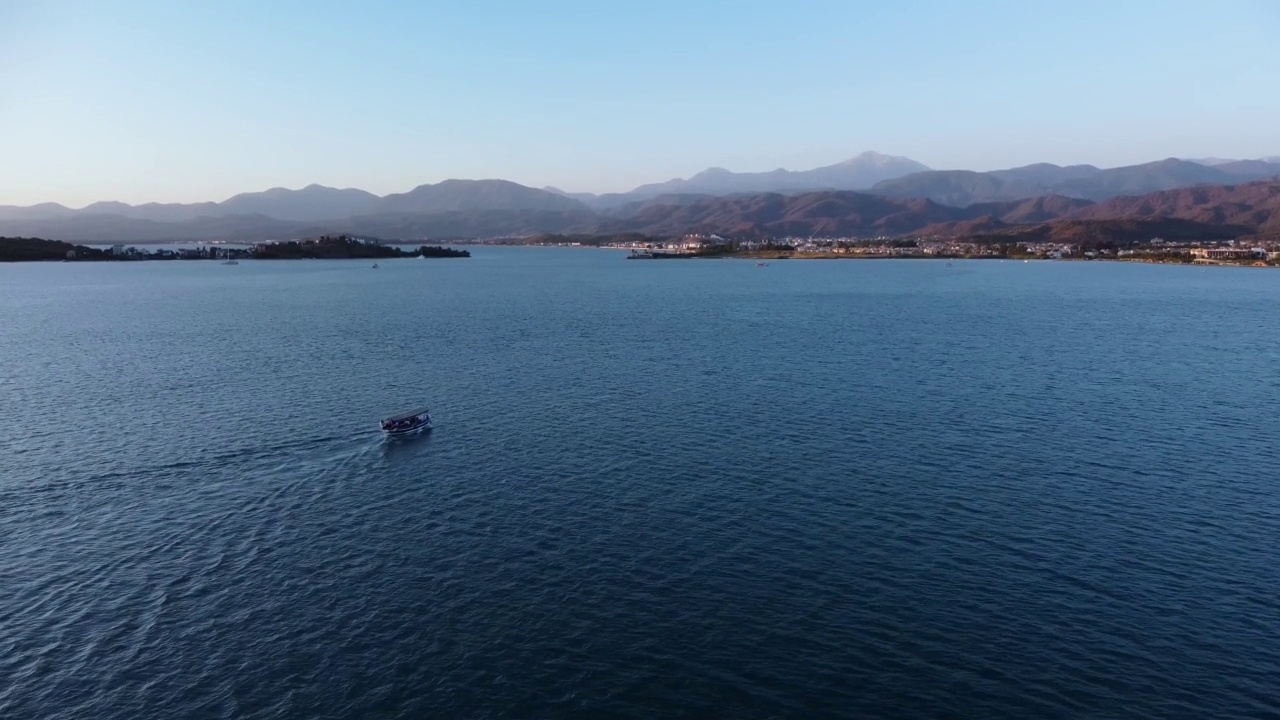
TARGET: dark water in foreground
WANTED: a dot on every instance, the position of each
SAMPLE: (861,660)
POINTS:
(680,489)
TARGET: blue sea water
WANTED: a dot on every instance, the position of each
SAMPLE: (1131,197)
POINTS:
(655,489)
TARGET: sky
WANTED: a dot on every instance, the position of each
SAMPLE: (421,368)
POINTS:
(154,100)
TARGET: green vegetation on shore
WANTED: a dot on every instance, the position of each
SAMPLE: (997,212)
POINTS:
(35,249)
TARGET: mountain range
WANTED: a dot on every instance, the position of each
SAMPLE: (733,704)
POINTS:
(965,187)
(1195,213)
(898,195)
(1206,212)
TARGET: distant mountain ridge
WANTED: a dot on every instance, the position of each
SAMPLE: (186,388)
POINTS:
(1207,212)
(965,187)
(857,173)
(878,173)
(1214,162)
(1196,213)
(488,208)
(1254,205)
(315,203)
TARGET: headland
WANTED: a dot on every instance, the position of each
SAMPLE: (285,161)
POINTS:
(325,247)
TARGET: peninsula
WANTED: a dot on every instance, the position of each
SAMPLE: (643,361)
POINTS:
(339,247)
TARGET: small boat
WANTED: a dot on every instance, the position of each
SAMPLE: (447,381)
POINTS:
(762,264)
(230,262)
(375,266)
(407,422)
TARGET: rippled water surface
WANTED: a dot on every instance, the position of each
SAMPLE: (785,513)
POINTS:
(655,489)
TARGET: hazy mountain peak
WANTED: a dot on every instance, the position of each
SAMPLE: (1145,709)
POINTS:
(106,206)
(879,159)
(269,192)
(312,203)
(1210,161)
(459,195)
(857,173)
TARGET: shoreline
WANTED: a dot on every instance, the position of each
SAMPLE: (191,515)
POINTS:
(950,258)
(754,255)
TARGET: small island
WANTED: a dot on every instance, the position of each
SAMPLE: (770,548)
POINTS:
(325,247)
(345,247)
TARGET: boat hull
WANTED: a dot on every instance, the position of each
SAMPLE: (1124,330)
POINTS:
(408,431)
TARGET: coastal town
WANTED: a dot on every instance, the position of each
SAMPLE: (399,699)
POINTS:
(1254,252)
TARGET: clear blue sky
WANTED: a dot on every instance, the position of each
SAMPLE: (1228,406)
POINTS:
(140,100)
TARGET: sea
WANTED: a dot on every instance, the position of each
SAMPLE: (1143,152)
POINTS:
(655,489)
